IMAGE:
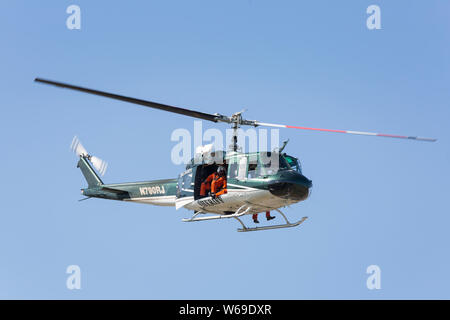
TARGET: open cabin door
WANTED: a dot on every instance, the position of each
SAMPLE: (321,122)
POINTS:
(201,173)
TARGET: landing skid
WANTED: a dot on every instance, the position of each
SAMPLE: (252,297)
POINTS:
(239,213)
(279,226)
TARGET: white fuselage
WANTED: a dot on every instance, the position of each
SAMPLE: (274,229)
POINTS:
(258,200)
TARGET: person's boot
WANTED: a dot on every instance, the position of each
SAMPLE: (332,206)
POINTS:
(255,221)
(270,218)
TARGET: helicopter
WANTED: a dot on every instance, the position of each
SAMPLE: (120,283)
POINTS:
(253,184)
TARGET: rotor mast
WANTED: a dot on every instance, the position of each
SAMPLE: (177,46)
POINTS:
(236,122)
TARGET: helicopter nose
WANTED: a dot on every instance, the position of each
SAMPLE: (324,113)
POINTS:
(291,190)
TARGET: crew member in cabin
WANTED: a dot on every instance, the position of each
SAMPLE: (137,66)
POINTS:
(205,188)
(219,183)
(268,217)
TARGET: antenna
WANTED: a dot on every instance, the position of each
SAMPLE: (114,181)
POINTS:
(284,146)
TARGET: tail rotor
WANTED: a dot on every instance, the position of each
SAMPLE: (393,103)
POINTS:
(99,164)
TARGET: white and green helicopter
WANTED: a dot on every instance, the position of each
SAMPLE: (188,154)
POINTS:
(254,185)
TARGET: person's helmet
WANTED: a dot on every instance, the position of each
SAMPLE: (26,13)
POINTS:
(221,171)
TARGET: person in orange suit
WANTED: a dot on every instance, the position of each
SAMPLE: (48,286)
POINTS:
(206,185)
(268,217)
(219,183)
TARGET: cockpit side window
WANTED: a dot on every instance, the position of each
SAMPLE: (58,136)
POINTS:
(243,161)
(255,166)
(267,166)
(237,168)
(253,170)
(233,170)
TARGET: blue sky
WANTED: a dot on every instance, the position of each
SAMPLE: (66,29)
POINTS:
(310,63)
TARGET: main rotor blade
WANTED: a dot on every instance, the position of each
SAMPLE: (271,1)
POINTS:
(347,131)
(150,104)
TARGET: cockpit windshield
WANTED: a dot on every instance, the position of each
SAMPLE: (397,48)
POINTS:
(294,163)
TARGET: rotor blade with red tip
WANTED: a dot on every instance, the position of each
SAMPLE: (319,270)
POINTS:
(346,131)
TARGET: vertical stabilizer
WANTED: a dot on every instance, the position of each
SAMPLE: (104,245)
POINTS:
(91,176)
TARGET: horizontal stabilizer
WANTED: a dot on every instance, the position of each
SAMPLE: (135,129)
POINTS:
(117,191)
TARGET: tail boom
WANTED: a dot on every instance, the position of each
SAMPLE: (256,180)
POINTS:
(156,192)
